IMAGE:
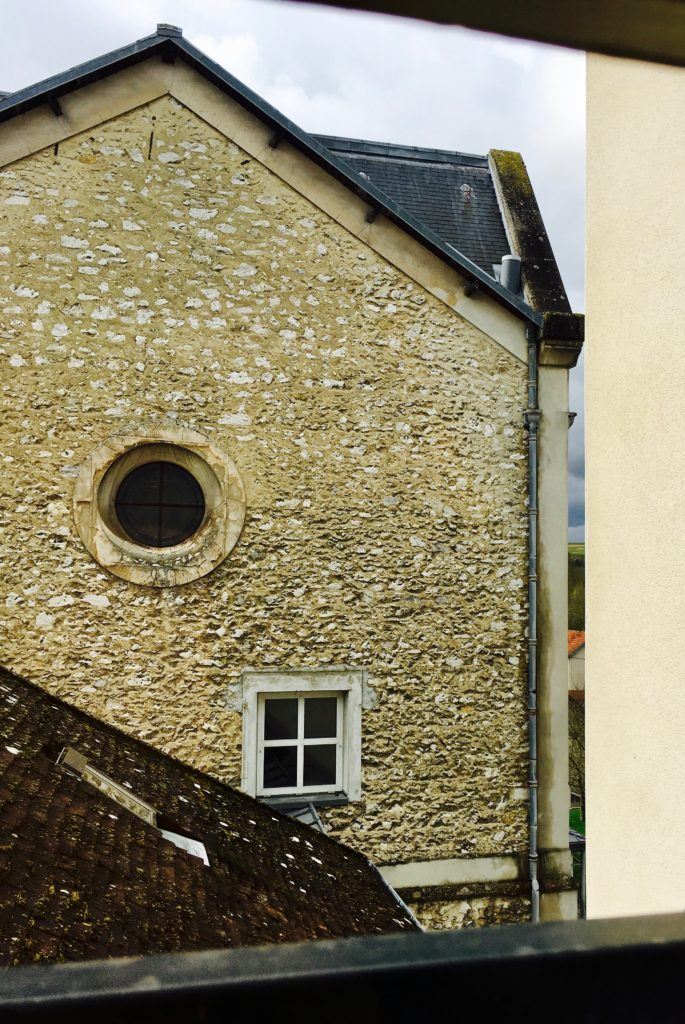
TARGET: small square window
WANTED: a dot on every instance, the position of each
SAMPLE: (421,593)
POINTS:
(300,743)
(302,733)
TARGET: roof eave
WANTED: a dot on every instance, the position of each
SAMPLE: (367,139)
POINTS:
(561,339)
(83,74)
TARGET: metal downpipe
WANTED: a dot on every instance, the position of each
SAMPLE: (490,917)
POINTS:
(532,422)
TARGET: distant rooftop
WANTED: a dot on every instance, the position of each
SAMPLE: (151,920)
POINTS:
(576,640)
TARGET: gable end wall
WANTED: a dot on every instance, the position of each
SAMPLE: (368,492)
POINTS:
(379,437)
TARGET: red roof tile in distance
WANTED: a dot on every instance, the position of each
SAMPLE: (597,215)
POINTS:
(576,640)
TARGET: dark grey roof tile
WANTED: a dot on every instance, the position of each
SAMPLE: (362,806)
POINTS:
(451,193)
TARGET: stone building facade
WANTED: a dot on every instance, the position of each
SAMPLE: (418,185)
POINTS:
(169,279)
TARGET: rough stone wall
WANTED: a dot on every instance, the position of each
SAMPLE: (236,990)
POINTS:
(150,268)
(478,912)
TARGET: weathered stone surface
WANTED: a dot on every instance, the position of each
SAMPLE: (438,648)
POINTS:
(473,913)
(379,438)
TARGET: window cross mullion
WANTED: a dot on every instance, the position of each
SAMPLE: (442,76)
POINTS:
(300,741)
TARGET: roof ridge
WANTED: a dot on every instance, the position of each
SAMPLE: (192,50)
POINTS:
(370,147)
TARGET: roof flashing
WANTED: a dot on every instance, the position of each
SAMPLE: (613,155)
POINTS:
(78,765)
(169,30)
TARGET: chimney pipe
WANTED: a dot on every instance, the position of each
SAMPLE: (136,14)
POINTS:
(511,273)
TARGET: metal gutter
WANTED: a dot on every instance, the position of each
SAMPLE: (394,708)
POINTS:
(397,898)
(532,417)
(169,43)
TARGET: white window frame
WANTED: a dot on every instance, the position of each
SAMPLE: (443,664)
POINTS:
(300,742)
(346,684)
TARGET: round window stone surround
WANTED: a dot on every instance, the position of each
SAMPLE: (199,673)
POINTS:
(99,479)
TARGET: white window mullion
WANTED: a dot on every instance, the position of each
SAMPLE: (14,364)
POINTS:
(300,743)
(345,736)
(339,748)
(260,744)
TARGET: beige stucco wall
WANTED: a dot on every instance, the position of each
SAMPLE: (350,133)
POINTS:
(635,382)
(379,437)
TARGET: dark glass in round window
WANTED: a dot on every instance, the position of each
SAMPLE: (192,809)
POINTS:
(159,504)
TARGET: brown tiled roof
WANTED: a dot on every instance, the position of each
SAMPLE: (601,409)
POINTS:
(576,640)
(82,877)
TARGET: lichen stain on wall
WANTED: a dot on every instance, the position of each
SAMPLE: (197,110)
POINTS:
(379,437)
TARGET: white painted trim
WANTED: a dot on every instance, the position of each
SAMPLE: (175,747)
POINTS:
(346,682)
(83,109)
(301,743)
(453,871)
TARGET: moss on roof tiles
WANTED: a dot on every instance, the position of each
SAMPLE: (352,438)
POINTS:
(81,877)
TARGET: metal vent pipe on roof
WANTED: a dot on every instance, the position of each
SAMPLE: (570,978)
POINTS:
(511,273)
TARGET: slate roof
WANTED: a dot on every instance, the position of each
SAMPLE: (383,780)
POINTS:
(576,640)
(82,878)
(451,193)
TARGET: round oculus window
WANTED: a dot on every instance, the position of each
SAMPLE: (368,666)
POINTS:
(160,507)
(159,504)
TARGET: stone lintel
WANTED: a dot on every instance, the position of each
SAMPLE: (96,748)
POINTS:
(455,871)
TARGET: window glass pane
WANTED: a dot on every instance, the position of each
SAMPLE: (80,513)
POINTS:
(320,717)
(160,504)
(319,765)
(280,719)
(280,767)
(142,485)
(140,523)
(178,524)
(180,487)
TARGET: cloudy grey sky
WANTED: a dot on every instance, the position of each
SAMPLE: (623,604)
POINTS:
(343,73)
